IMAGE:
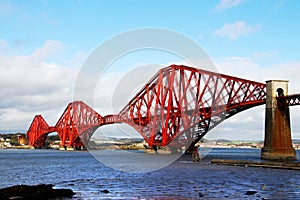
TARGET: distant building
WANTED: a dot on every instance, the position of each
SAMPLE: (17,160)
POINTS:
(7,144)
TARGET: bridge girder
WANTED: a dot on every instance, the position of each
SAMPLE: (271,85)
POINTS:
(38,131)
(185,103)
(78,122)
(288,100)
(179,104)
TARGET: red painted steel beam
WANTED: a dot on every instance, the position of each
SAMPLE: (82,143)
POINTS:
(78,122)
(184,103)
(38,131)
(179,104)
(288,100)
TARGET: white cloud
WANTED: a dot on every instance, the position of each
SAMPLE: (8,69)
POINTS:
(225,4)
(236,30)
(116,89)
(247,68)
(51,47)
(3,46)
(30,85)
(266,55)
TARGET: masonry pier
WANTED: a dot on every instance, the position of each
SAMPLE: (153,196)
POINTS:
(278,140)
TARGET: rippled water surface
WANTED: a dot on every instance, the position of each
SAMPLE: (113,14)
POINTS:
(183,179)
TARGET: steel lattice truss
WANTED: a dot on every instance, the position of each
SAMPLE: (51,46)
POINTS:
(289,100)
(38,131)
(78,120)
(179,104)
(185,103)
(75,126)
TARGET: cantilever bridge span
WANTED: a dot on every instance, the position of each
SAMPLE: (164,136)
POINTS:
(179,102)
(178,105)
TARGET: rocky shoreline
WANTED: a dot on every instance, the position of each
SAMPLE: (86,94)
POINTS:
(37,192)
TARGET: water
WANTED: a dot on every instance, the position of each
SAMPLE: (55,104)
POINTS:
(85,175)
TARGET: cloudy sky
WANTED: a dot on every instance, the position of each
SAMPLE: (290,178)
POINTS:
(43,45)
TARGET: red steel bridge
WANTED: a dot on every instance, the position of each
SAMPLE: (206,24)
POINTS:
(179,105)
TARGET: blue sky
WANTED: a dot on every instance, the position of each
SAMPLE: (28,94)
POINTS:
(44,43)
(82,25)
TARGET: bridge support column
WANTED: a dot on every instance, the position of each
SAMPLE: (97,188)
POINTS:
(278,140)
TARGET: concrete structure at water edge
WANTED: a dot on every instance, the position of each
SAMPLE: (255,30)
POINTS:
(278,141)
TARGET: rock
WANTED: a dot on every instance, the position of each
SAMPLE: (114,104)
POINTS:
(201,194)
(250,192)
(104,191)
(38,192)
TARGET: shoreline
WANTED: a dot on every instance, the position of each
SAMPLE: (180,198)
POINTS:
(292,165)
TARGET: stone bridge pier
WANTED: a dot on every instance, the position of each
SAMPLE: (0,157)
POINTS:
(278,140)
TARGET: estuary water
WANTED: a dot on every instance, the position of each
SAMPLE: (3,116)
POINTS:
(183,179)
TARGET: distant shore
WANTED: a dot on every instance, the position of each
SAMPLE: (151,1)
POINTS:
(11,142)
(130,147)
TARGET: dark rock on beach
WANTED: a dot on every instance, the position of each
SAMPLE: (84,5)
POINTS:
(250,192)
(105,191)
(39,192)
(201,194)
